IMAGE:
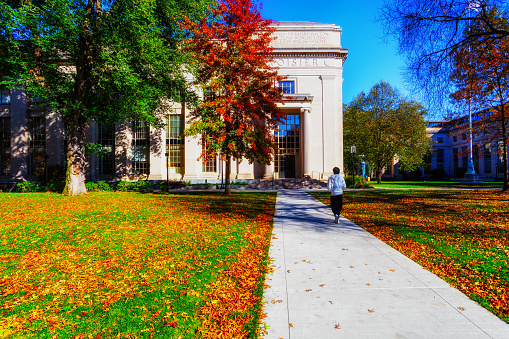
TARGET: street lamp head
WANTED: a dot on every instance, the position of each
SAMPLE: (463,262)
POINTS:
(353,149)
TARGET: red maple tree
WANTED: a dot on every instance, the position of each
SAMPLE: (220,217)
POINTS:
(481,76)
(232,59)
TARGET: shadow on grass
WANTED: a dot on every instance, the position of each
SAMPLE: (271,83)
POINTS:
(249,205)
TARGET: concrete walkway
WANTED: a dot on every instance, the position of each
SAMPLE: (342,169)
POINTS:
(339,281)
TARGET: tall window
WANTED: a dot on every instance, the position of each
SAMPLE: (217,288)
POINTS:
(287,87)
(140,162)
(36,146)
(5,146)
(288,144)
(464,158)
(440,158)
(5,96)
(487,159)
(175,142)
(209,165)
(106,160)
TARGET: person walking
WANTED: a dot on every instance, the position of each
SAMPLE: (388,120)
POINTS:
(335,185)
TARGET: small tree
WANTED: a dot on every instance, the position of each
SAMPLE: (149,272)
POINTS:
(481,78)
(94,60)
(383,125)
(233,65)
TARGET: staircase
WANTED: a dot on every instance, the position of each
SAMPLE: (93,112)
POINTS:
(288,183)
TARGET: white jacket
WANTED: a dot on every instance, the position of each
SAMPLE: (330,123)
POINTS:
(336,184)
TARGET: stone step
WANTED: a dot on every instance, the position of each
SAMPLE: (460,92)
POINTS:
(288,183)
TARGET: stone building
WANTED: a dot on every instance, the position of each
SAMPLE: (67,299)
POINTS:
(449,159)
(451,150)
(310,141)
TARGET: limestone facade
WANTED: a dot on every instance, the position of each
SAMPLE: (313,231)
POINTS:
(309,56)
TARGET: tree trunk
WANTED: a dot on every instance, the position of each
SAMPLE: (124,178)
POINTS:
(379,176)
(227,177)
(75,159)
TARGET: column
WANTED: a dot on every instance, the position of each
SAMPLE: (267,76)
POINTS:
(123,152)
(305,136)
(54,138)
(245,170)
(19,135)
(332,126)
(157,154)
(192,153)
(91,165)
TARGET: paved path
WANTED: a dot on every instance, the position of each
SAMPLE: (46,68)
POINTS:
(339,281)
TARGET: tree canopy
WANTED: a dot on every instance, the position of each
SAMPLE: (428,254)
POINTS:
(106,61)
(429,32)
(232,56)
(481,80)
(383,125)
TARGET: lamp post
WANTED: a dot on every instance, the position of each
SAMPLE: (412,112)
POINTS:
(353,149)
(363,164)
(167,171)
(470,174)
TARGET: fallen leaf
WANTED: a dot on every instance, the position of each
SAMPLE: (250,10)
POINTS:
(337,326)
(461,308)
(371,311)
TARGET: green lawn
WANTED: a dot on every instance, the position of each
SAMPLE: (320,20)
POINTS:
(434,184)
(132,265)
(462,236)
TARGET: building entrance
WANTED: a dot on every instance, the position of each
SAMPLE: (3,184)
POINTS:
(288,152)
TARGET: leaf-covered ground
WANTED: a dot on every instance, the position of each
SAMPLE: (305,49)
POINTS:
(435,184)
(128,265)
(462,236)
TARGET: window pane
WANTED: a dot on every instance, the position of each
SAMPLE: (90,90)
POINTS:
(140,161)
(5,97)
(287,87)
(106,138)
(175,142)
(36,146)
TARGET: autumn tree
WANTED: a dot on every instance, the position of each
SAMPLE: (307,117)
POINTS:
(232,54)
(481,79)
(430,32)
(94,60)
(383,125)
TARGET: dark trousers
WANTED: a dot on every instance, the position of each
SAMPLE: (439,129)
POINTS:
(336,203)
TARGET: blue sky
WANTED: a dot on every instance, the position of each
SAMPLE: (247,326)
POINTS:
(369,58)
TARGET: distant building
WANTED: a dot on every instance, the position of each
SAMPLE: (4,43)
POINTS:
(310,139)
(450,139)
